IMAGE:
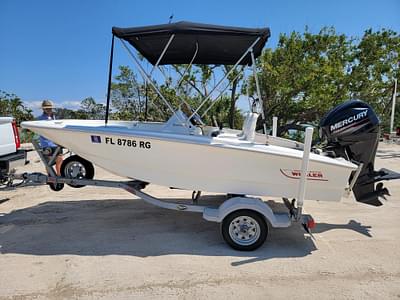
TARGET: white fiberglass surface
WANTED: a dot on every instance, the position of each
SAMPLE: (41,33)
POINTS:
(225,165)
(155,130)
(112,125)
(283,151)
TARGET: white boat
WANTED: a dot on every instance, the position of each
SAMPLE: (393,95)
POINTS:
(184,154)
(224,164)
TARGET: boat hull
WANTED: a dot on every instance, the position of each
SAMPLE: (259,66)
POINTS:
(198,162)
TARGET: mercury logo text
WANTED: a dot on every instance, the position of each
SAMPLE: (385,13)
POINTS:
(349,120)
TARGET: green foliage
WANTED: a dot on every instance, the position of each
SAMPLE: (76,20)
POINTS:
(301,79)
(65,113)
(221,112)
(308,74)
(25,135)
(125,95)
(129,96)
(11,105)
(89,110)
(376,65)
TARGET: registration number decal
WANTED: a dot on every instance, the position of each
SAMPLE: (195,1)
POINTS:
(127,143)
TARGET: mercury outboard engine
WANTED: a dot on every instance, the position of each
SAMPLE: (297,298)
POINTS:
(352,132)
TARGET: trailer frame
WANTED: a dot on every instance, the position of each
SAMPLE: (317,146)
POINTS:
(239,215)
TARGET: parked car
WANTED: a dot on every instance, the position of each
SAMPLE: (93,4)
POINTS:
(11,156)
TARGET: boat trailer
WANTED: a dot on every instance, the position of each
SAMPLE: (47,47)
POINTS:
(244,220)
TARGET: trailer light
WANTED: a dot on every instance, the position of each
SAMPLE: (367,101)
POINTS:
(310,223)
(16,135)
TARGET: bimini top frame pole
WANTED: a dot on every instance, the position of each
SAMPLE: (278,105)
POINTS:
(219,45)
(149,81)
(143,73)
(182,76)
(224,77)
(156,65)
(212,44)
(109,80)
(220,94)
(393,107)
(162,54)
(260,102)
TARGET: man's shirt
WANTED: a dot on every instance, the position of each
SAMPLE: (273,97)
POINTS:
(45,143)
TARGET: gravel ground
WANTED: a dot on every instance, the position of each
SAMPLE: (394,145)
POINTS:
(98,243)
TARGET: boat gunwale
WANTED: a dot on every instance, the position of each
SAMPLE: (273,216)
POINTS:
(175,137)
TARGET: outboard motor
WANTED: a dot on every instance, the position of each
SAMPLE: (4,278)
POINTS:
(352,132)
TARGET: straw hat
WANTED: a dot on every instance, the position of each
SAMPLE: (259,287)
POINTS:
(47,104)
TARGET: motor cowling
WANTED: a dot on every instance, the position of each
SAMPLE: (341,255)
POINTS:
(352,130)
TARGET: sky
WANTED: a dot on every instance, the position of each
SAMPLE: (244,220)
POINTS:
(59,50)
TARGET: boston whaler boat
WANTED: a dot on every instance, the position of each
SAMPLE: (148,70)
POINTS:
(185,154)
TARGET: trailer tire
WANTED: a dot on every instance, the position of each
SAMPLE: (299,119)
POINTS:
(76,167)
(244,230)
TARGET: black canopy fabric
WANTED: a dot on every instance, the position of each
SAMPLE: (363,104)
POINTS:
(218,45)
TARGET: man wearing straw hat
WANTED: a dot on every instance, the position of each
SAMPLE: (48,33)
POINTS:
(48,146)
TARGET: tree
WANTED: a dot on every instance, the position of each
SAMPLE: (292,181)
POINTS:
(376,63)
(128,95)
(66,113)
(234,78)
(12,105)
(221,112)
(92,110)
(304,76)
(308,74)
(89,109)
(199,82)
(125,95)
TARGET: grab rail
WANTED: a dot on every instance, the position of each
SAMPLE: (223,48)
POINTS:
(304,169)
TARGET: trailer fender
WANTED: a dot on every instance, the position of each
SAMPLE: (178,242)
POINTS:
(249,203)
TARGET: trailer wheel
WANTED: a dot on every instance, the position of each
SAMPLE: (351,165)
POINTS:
(244,230)
(76,167)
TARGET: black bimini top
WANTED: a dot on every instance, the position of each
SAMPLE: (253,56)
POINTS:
(219,45)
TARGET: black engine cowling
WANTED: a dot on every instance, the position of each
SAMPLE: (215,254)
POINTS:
(352,132)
